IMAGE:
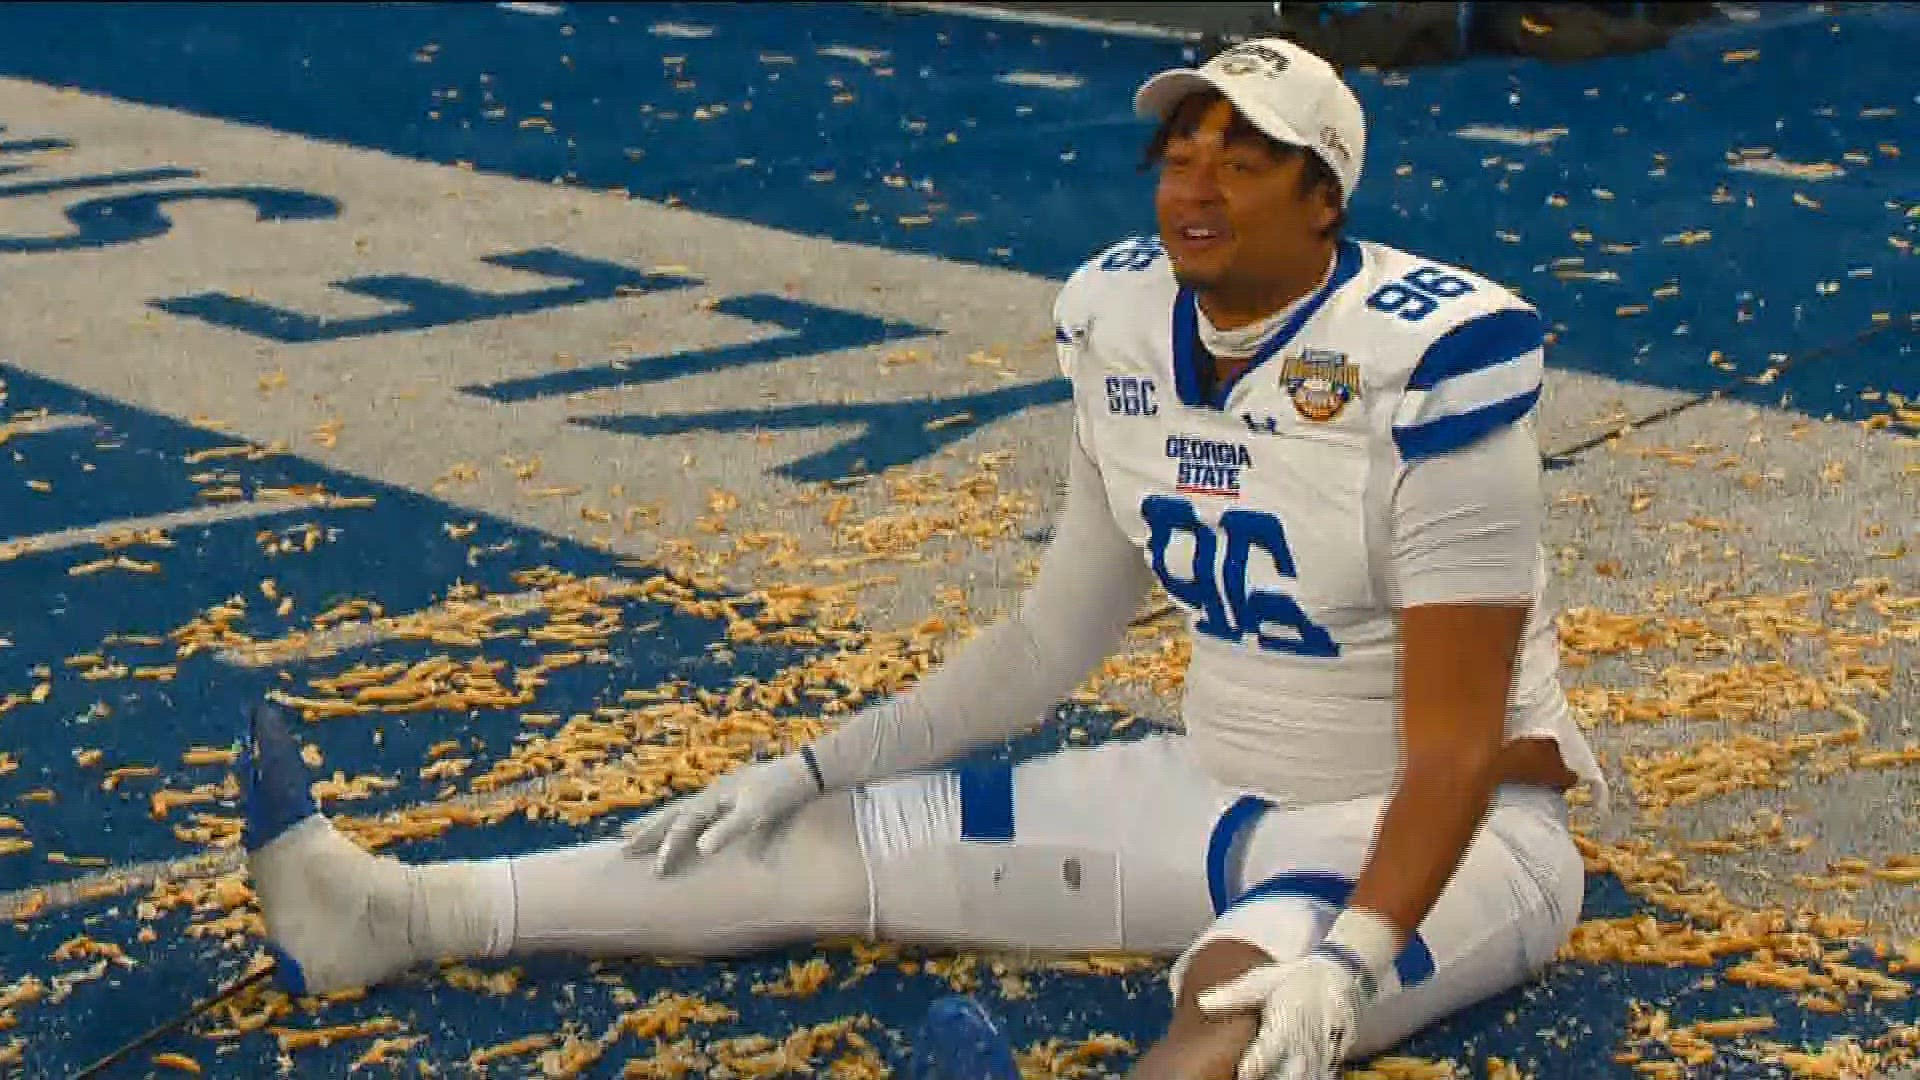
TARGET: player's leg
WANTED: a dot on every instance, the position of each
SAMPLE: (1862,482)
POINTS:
(1045,858)
(1082,850)
(343,917)
(1507,910)
(1197,1046)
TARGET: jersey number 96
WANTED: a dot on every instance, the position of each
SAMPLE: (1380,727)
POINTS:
(1415,296)
(1136,253)
(1215,585)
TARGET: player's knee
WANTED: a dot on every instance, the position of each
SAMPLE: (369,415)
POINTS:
(811,857)
(938,881)
(1197,1046)
(823,837)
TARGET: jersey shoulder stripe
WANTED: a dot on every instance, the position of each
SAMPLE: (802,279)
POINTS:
(1459,430)
(1478,344)
(1470,350)
(1479,377)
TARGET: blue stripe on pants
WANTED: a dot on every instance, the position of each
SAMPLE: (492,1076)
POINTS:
(986,801)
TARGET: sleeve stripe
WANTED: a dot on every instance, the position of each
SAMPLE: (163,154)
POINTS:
(1450,433)
(1478,344)
(1464,393)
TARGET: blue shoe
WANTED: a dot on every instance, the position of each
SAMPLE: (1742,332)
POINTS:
(961,1040)
(275,784)
(276,794)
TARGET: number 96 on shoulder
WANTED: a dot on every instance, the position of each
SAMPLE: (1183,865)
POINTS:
(1419,293)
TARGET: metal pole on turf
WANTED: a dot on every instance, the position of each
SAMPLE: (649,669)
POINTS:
(178,1022)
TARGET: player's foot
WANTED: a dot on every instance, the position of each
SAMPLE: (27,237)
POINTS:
(339,917)
(336,914)
(961,1040)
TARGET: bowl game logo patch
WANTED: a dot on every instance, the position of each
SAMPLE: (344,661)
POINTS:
(1320,382)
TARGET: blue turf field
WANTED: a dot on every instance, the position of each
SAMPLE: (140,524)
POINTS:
(900,120)
(921,146)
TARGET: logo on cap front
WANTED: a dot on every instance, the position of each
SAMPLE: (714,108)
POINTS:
(1250,57)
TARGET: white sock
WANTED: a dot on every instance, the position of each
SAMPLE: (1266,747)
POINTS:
(349,918)
(460,909)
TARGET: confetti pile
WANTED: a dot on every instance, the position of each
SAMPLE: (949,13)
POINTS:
(653,742)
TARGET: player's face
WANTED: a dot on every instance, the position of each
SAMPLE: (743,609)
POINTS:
(1234,212)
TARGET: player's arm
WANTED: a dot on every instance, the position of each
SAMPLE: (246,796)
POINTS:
(1000,682)
(1467,514)
(1091,581)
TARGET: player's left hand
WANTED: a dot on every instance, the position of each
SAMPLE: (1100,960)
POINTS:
(1309,1008)
(750,799)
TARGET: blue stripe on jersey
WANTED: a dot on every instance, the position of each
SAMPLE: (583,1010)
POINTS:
(1415,963)
(1478,344)
(1187,380)
(1450,433)
(986,801)
(1060,335)
(1186,349)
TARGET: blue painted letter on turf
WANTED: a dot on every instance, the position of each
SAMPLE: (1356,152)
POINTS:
(81,183)
(125,219)
(893,432)
(425,303)
(811,330)
(28,146)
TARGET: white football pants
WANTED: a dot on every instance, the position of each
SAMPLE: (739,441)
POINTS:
(1121,847)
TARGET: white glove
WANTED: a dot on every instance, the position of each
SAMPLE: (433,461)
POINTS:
(1309,1008)
(747,800)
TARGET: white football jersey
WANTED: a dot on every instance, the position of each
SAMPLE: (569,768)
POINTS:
(1263,505)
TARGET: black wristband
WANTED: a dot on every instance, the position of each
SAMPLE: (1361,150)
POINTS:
(813,767)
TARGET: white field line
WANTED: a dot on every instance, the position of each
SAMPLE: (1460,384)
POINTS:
(1055,21)
(41,425)
(83,535)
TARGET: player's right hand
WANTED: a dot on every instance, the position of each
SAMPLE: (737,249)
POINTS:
(749,799)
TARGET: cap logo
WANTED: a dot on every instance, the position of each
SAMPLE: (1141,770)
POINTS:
(1331,139)
(1250,57)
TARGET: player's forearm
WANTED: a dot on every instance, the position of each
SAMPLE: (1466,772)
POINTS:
(996,685)
(1003,680)
(1430,820)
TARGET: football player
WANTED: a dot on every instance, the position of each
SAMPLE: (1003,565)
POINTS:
(1323,449)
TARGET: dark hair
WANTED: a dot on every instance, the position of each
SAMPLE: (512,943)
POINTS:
(1184,118)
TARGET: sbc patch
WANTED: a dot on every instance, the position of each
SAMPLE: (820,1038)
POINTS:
(1320,382)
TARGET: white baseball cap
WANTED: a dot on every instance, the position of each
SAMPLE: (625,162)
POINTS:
(1290,94)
